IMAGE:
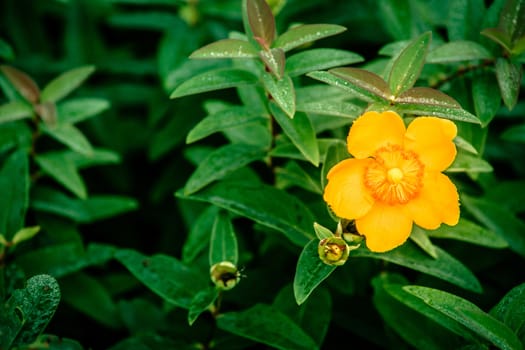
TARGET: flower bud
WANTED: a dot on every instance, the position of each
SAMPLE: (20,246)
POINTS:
(225,275)
(333,251)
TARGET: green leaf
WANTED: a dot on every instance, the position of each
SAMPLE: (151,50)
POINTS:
(293,175)
(306,33)
(221,162)
(322,232)
(282,91)
(466,162)
(465,19)
(338,109)
(408,64)
(261,21)
(510,310)
(6,51)
(63,170)
(486,102)
(511,19)
(201,303)
(226,48)
(400,311)
(431,102)
(166,276)
(470,232)
(498,219)
(70,136)
(498,36)
(267,325)
(22,82)
(79,109)
(34,305)
(87,295)
(469,315)
(319,59)
(264,204)
(274,60)
(224,120)
(310,272)
(366,85)
(65,83)
(223,242)
(14,186)
(15,110)
(300,131)
(336,152)
(199,235)
(99,156)
(214,80)
(88,210)
(418,235)
(24,234)
(461,50)
(444,266)
(397,17)
(509,80)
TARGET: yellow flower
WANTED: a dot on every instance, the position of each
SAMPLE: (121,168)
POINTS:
(395,178)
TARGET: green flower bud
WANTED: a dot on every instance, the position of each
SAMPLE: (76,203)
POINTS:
(225,275)
(333,251)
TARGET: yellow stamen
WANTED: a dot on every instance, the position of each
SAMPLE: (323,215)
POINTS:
(395,176)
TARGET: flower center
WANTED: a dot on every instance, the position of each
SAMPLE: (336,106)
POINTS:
(395,176)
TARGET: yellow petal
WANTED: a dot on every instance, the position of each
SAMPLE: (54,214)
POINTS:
(385,227)
(438,202)
(345,192)
(374,130)
(431,139)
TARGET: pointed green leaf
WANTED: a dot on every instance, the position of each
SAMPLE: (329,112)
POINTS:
(510,310)
(222,78)
(498,36)
(486,102)
(511,19)
(469,315)
(199,236)
(223,120)
(310,272)
(407,66)
(466,162)
(202,301)
(226,48)
(82,211)
(468,231)
(465,19)
(221,162)
(319,59)
(70,136)
(306,33)
(22,82)
(292,174)
(15,110)
(444,266)
(267,325)
(282,91)
(498,219)
(461,50)
(300,131)
(322,232)
(367,85)
(262,22)
(65,83)
(418,235)
(35,305)
(274,60)
(14,186)
(509,80)
(79,109)
(431,102)
(332,108)
(166,276)
(223,243)
(25,234)
(63,170)
(264,204)
(99,156)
